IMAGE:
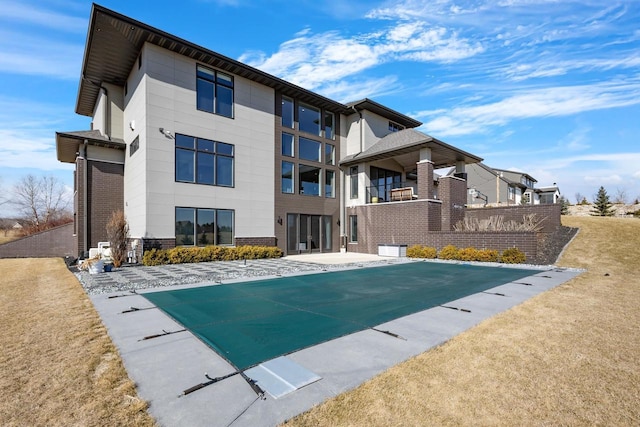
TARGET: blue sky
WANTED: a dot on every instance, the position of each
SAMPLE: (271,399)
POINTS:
(551,88)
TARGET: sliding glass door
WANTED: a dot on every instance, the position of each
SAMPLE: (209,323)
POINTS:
(308,233)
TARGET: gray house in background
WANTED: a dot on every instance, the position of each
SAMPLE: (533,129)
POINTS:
(500,187)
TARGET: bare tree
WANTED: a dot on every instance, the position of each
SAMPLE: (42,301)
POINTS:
(42,202)
(579,198)
(620,197)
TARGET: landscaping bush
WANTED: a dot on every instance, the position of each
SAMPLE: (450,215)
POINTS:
(420,251)
(448,252)
(467,254)
(488,255)
(513,256)
(182,254)
(118,236)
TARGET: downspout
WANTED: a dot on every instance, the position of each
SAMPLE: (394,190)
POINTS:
(107,114)
(85,232)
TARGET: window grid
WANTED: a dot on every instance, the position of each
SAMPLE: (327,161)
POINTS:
(214,91)
(202,161)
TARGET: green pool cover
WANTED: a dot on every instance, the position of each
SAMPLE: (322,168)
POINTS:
(252,322)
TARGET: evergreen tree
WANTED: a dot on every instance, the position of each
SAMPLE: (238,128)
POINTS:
(602,205)
(564,209)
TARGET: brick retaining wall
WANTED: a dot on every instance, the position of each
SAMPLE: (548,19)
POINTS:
(56,242)
(549,214)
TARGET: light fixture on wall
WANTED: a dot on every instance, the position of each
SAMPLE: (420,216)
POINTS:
(279,220)
(166,133)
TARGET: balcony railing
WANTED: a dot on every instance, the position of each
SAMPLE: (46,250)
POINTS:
(391,192)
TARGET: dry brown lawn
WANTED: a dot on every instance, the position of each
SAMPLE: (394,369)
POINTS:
(59,367)
(570,356)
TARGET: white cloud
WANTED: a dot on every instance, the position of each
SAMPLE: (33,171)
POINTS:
(636,175)
(533,103)
(312,61)
(32,14)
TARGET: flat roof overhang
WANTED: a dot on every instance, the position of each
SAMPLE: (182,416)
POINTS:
(68,144)
(114,42)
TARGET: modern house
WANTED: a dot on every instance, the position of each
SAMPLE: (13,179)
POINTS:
(198,148)
(500,187)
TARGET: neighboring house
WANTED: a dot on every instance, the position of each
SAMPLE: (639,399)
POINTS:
(198,149)
(499,187)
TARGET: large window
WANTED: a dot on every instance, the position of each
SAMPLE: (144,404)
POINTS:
(309,180)
(287,177)
(353,228)
(329,186)
(329,125)
(287,112)
(309,119)
(383,181)
(214,91)
(203,161)
(203,227)
(309,149)
(353,172)
(330,154)
(287,144)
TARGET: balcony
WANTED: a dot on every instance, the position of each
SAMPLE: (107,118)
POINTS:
(392,192)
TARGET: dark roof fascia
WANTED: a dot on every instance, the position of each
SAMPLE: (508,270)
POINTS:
(176,44)
(393,115)
(68,143)
(517,172)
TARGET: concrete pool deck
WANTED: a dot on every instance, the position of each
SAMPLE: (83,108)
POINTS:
(164,367)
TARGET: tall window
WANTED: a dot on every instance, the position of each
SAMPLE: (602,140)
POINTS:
(287,144)
(353,172)
(287,177)
(383,181)
(308,180)
(353,228)
(202,161)
(329,154)
(329,185)
(287,112)
(309,119)
(214,91)
(329,125)
(203,227)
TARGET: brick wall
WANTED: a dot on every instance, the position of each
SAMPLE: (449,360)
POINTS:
(256,241)
(419,221)
(453,193)
(394,223)
(549,214)
(56,242)
(106,195)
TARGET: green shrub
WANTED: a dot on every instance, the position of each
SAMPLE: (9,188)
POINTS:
(448,252)
(420,251)
(182,254)
(513,256)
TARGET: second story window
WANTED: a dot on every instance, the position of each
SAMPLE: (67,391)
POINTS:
(214,92)
(309,120)
(201,161)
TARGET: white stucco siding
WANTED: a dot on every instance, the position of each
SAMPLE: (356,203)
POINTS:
(375,128)
(135,176)
(171,105)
